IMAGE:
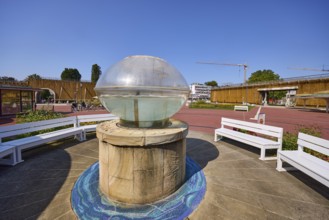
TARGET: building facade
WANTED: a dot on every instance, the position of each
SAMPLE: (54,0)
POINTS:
(200,91)
(258,92)
(16,99)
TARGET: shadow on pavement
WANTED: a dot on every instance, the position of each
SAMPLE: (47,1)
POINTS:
(201,151)
(311,183)
(27,189)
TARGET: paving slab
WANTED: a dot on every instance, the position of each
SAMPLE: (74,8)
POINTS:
(239,185)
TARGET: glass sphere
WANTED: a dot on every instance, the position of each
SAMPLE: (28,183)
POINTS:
(144,91)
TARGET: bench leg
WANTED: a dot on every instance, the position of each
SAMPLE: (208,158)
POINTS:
(279,163)
(80,137)
(11,161)
(262,154)
(280,168)
(217,137)
(19,155)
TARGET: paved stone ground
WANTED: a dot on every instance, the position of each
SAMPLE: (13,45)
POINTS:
(239,186)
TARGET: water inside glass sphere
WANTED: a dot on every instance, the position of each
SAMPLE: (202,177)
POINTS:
(143,111)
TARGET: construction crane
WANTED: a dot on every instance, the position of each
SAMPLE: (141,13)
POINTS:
(245,66)
(310,69)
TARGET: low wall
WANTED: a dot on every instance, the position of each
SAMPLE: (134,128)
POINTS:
(67,107)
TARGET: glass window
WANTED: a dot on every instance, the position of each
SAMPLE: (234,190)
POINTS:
(10,102)
(26,101)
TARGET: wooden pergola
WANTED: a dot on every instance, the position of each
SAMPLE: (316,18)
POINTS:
(319,95)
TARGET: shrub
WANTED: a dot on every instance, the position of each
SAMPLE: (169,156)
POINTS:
(38,115)
(94,102)
(289,141)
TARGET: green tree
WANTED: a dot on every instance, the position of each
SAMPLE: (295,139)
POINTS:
(70,74)
(7,78)
(211,83)
(263,76)
(95,73)
(33,77)
(277,95)
(45,94)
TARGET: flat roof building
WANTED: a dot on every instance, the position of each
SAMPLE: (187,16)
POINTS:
(16,99)
(200,91)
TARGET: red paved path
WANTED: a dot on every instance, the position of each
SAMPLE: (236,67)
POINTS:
(206,120)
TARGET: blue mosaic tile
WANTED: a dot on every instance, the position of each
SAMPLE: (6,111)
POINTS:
(88,202)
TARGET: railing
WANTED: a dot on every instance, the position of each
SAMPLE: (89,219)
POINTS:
(290,79)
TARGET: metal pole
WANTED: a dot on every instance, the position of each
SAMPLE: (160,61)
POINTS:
(81,92)
(245,73)
(245,80)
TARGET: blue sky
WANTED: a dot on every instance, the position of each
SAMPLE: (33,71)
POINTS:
(44,37)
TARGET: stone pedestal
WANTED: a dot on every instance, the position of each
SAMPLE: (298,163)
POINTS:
(139,166)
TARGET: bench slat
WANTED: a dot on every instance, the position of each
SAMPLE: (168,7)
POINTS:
(255,125)
(312,166)
(247,137)
(308,160)
(311,139)
(83,118)
(258,128)
(313,146)
(37,140)
(45,136)
(12,130)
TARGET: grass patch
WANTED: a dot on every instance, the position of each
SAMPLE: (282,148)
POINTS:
(204,105)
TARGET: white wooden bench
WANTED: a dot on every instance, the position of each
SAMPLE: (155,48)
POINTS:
(92,118)
(241,108)
(305,162)
(268,137)
(20,144)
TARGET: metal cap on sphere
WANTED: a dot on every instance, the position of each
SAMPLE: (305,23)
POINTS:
(144,91)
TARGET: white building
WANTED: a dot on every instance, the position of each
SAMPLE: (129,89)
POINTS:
(200,91)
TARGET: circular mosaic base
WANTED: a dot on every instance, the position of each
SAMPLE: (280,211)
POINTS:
(88,202)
